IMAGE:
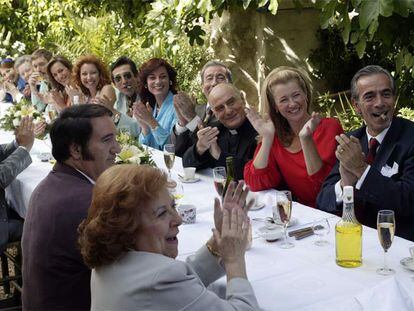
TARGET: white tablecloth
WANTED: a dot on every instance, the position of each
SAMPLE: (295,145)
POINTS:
(301,278)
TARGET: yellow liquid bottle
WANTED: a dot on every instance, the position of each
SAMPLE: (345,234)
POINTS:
(348,234)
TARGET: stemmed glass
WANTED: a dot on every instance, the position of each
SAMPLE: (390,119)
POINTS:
(281,214)
(386,229)
(178,192)
(321,227)
(169,157)
(219,175)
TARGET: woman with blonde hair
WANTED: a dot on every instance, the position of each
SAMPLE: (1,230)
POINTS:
(129,239)
(297,148)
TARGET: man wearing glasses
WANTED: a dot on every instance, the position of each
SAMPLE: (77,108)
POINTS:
(124,75)
(191,116)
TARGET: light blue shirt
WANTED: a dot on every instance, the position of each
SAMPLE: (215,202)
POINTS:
(166,119)
(40,106)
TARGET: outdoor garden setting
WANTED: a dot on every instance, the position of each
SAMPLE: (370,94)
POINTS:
(331,39)
(207,155)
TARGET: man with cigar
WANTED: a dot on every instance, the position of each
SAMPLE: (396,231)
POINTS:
(189,115)
(377,159)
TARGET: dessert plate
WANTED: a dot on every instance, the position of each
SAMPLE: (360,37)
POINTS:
(188,181)
(270,234)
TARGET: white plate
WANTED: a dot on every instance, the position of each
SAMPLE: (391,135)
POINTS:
(257,207)
(188,181)
(270,235)
(293,222)
(408,263)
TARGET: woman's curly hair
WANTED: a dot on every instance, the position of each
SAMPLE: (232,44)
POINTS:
(104,77)
(112,225)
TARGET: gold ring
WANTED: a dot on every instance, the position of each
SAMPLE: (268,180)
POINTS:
(341,150)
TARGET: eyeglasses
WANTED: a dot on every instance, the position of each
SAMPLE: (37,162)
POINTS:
(126,76)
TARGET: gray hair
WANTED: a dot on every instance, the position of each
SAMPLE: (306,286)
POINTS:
(368,71)
(212,63)
(21,60)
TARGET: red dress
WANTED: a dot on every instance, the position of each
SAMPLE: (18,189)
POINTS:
(287,169)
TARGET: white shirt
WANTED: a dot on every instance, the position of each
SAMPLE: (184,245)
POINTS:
(338,189)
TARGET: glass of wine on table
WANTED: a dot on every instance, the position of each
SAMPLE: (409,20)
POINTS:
(219,175)
(169,157)
(386,229)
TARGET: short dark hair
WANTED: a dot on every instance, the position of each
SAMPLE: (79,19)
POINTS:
(124,60)
(368,71)
(146,69)
(212,63)
(41,53)
(74,126)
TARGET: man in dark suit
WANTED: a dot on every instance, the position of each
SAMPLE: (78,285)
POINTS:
(233,135)
(189,115)
(377,159)
(14,158)
(54,274)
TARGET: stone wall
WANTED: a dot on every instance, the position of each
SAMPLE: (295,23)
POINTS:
(252,43)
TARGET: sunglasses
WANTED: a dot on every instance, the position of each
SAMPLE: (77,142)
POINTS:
(126,76)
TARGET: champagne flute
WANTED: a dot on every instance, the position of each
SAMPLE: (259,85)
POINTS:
(169,157)
(321,227)
(386,229)
(281,214)
(178,192)
(219,174)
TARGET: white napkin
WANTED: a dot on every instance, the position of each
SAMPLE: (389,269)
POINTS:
(387,295)
(388,171)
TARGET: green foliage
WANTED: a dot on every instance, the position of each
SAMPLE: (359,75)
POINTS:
(336,63)
(383,24)
(407,113)
(341,108)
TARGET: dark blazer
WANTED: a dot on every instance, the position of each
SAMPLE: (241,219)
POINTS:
(186,139)
(54,274)
(241,146)
(378,191)
(12,162)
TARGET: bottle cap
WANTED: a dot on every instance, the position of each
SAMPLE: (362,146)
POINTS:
(348,194)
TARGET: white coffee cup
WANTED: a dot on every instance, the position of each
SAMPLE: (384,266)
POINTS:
(188,213)
(189,173)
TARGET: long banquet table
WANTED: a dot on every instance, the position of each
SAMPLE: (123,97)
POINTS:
(301,278)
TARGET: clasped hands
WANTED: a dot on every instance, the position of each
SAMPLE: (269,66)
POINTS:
(144,115)
(184,108)
(231,223)
(351,159)
(207,140)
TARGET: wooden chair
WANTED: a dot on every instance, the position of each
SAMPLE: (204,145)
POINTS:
(11,283)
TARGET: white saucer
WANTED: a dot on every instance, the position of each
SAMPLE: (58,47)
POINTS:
(257,207)
(408,263)
(188,181)
(270,234)
(293,222)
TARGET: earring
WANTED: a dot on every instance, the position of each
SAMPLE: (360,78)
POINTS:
(170,82)
(146,86)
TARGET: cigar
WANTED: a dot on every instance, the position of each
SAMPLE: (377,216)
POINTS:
(300,231)
(303,235)
(384,117)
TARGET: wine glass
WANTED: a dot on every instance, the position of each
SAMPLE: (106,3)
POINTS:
(386,229)
(178,192)
(219,174)
(169,157)
(281,214)
(321,227)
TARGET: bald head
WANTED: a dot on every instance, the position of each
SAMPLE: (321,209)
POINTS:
(228,105)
